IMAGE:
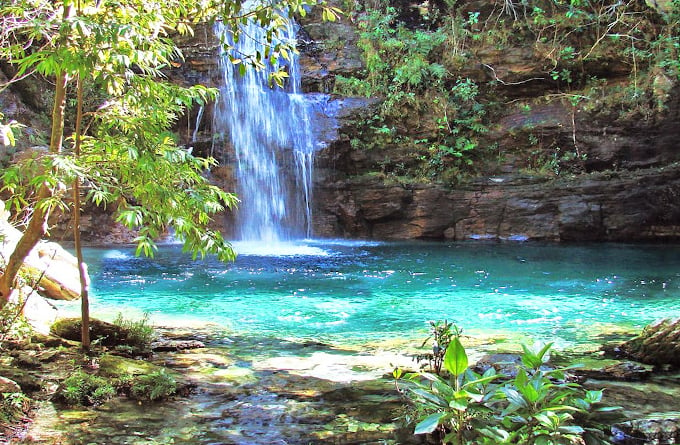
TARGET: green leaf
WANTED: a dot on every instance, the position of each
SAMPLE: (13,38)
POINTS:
(481,381)
(535,357)
(430,423)
(561,408)
(515,398)
(593,396)
(572,429)
(429,397)
(497,434)
(459,404)
(455,359)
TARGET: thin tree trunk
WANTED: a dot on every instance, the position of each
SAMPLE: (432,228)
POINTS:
(37,225)
(82,267)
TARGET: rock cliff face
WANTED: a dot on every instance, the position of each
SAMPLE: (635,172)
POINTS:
(623,185)
(638,205)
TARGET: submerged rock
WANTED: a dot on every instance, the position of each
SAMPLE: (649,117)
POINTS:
(657,429)
(624,371)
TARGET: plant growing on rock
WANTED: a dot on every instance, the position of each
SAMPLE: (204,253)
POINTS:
(541,405)
(155,386)
(538,406)
(82,388)
(441,333)
(138,333)
(12,324)
(454,409)
(13,406)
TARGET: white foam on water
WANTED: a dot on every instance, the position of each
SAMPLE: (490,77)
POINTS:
(278,249)
(117,255)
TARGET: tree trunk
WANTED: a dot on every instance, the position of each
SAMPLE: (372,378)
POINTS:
(37,225)
(82,267)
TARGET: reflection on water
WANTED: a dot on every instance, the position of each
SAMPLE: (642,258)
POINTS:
(350,291)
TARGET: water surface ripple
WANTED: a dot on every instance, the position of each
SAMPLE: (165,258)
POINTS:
(352,291)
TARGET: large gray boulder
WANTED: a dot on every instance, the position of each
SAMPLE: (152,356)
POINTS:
(50,265)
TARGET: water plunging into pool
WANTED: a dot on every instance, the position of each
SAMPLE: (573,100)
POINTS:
(270,132)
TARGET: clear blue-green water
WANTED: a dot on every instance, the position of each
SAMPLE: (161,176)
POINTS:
(346,291)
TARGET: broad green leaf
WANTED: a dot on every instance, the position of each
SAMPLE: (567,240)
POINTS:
(430,423)
(521,380)
(467,395)
(481,381)
(572,429)
(556,408)
(429,397)
(530,393)
(548,419)
(459,404)
(593,396)
(455,359)
(515,398)
(544,440)
(495,433)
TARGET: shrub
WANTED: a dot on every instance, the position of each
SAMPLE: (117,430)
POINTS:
(86,389)
(155,386)
(13,405)
(138,334)
(440,333)
(13,325)
(538,406)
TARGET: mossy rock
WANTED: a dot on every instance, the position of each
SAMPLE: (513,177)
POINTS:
(101,333)
(114,366)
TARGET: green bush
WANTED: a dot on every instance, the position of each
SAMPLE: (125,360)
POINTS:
(13,325)
(13,405)
(155,386)
(138,334)
(538,406)
(86,389)
(441,333)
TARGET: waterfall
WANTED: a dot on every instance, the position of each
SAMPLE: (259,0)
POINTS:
(270,132)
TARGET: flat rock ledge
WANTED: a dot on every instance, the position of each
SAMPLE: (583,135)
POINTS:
(176,345)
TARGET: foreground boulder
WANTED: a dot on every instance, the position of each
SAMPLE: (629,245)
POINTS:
(50,265)
(128,339)
(658,344)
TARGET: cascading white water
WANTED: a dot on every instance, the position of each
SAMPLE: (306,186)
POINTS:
(270,131)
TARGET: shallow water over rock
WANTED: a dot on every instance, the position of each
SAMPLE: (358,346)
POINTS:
(298,344)
(293,394)
(267,390)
